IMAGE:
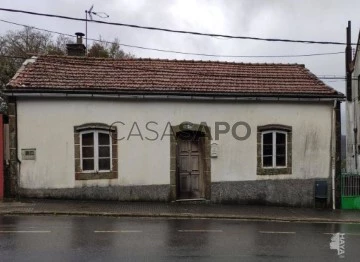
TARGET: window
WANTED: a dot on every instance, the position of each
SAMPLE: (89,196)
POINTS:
(95,151)
(274,149)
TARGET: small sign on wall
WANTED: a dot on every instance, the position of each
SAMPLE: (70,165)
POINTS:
(214,150)
(28,154)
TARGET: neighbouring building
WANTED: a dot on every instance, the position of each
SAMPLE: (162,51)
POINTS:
(2,180)
(3,109)
(166,130)
(350,180)
(352,107)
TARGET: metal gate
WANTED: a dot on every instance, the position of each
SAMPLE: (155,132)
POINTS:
(350,191)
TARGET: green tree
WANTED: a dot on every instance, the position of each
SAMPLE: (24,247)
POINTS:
(98,50)
(107,49)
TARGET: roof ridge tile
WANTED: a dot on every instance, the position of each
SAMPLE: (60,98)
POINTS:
(159,59)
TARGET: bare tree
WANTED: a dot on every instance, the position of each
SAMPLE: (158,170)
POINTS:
(15,46)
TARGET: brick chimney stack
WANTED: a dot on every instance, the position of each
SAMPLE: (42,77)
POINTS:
(77,49)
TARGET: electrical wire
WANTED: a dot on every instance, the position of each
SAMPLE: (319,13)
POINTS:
(173,30)
(178,52)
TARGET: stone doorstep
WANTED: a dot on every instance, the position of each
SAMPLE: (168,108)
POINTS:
(192,201)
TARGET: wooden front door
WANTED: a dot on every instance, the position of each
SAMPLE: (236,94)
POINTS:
(190,166)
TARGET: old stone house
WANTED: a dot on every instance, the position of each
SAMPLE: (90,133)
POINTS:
(167,130)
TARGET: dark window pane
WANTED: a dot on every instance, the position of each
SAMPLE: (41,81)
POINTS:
(280,150)
(267,161)
(88,151)
(104,164)
(280,139)
(267,138)
(88,164)
(104,151)
(280,160)
(88,139)
(267,150)
(104,139)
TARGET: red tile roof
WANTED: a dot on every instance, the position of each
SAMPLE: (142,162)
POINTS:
(65,73)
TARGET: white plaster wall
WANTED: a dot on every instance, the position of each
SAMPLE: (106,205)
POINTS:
(350,145)
(47,125)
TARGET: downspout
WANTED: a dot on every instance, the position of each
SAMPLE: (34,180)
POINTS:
(333,153)
(355,130)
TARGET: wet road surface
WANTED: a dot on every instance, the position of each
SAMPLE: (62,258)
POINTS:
(71,238)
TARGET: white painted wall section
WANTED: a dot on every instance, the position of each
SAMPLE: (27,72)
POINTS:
(48,126)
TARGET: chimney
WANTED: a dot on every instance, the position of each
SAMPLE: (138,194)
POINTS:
(77,49)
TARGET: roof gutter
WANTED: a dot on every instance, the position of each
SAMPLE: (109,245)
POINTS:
(175,96)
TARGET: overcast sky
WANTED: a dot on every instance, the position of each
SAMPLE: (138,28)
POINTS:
(323,20)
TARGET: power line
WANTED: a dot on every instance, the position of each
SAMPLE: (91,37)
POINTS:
(340,80)
(176,31)
(179,52)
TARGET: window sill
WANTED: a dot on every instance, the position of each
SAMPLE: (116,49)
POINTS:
(95,176)
(274,167)
(274,171)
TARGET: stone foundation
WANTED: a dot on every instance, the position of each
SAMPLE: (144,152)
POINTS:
(291,192)
(121,193)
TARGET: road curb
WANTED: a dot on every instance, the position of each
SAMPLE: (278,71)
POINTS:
(181,215)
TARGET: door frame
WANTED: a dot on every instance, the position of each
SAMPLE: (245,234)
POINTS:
(206,160)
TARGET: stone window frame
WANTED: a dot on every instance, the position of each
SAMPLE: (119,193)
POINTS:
(287,170)
(86,175)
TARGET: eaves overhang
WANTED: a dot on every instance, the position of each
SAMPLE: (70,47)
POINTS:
(183,95)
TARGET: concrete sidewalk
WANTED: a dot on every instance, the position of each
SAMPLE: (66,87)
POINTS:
(176,210)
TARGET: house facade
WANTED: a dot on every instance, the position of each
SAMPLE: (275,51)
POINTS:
(170,130)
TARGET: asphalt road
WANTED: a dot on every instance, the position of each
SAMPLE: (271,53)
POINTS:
(70,238)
